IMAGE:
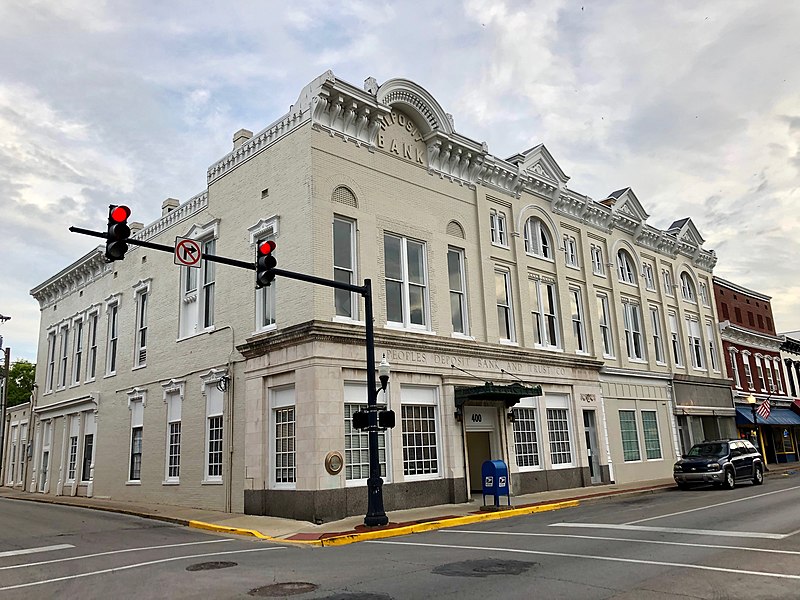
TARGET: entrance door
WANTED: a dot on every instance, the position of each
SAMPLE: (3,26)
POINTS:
(479,451)
(591,446)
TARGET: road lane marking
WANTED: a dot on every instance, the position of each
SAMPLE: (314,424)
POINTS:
(683,512)
(614,539)
(56,560)
(35,550)
(636,561)
(714,532)
(136,566)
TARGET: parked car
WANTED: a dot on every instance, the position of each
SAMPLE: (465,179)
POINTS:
(720,462)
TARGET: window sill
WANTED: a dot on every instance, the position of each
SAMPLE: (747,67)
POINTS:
(654,459)
(632,462)
(548,348)
(74,385)
(283,486)
(638,361)
(415,329)
(573,267)
(211,482)
(92,380)
(136,368)
(596,274)
(348,320)
(530,469)
(508,342)
(628,283)
(107,375)
(609,357)
(427,477)
(194,335)
(139,482)
(497,245)
(462,336)
(540,257)
(564,466)
(170,482)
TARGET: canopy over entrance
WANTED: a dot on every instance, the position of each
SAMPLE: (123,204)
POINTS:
(507,394)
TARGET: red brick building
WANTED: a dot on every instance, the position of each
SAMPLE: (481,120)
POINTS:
(751,347)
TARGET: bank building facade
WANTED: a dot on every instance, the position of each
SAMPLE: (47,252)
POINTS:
(491,278)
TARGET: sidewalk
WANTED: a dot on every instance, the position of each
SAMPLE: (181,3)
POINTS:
(351,529)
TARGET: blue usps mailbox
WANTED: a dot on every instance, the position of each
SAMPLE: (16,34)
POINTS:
(495,481)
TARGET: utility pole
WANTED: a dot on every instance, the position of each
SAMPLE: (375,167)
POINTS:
(3,402)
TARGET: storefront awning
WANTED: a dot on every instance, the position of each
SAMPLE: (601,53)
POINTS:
(778,416)
(508,394)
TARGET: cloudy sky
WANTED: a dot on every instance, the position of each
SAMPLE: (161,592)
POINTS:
(696,106)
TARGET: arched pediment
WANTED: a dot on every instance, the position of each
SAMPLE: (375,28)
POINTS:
(412,98)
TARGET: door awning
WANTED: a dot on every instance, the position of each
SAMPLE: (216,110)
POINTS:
(508,394)
(778,416)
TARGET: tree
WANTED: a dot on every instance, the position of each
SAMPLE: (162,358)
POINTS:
(20,382)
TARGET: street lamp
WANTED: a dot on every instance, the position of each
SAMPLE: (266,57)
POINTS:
(376,515)
(751,400)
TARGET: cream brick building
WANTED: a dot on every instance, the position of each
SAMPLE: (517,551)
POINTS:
(193,388)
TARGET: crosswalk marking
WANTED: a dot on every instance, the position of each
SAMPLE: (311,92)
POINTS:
(679,530)
(35,550)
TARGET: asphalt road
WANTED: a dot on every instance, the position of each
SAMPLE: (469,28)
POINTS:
(704,543)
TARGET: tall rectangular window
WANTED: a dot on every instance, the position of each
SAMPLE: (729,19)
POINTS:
(544,310)
(140,352)
(712,347)
(604,319)
(558,431)
(458,288)
(630,436)
(214,423)
(770,380)
(704,296)
(356,441)
(526,441)
(62,372)
(598,266)
(406,282)
(748,372)
(633,331)
(570,251)
(77,357)
(578,327)
(91,361)
(420,432)
(209,248)
(265,297)
(505,313)
(652,442)
(137,422)
(73,457)
(760,371)
(649,279)
(89,430)
(658,338)
(666,276)
(174,408)
(284,445)
(344,266)
(675,339)
(51,361)
(12,465)
(113,336)
(778,375)
(497,224)
(696,350)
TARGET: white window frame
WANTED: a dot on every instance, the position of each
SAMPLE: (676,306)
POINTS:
(626,270)
(666,278)
(712,347)
(77,351)
(638,448)
(779,379)
(72,448)
(266,298)
(137,401)
(647,457)
(112,336)
(173,393)
(735,367)
(606,329)
(571,251)
(498,227)
(687,288)
(505,306)
(282,399)
(50,374)
(658,337)
(538,241)
(649,278)
(355,397)
(12,452)
(141,294)
(760,371)
(212,390)
(458,291)
(632,318)
(598,266)
(426,397)
(695,343)
(89,432)
(63,357)
(545,317)
(559,402)
(93,320)
(346,273)
(770,379)
(704,297)
(44,462)
(675,340)
(406,284)
(198,285)
(527,412)
(748,372)
(578,320)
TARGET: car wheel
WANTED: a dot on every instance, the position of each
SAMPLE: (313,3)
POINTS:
(758,475)
(730,481)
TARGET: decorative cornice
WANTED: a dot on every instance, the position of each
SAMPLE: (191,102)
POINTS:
(744,337)
(184,211)
(78,275)
(740,289)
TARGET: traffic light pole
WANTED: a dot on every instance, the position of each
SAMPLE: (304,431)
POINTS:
(376,515)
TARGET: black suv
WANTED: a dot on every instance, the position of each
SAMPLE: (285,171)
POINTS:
(721,462)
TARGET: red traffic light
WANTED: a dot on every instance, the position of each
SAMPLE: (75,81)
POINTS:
(120,214)
(266,247)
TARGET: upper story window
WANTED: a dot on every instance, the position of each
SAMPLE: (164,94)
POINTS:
(578,325)
(704,296)
(497,222)
(633,331)
(658,340)
(748,372)
(735,367)
(77,356)
(712,346)
(142,292)
(458,287)
(649,278)
(344,266)
(198,286)
(406,280)
(625,268)
(675,338)
(696,349)
(91,359)
(62,371)
(604,319)
(666,277)
(537,239)
(570,251)
(113,338)
(687,288)
(544,309)
(598,266)
(51,361)
(505,313)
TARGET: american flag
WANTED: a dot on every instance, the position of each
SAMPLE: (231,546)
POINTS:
(764,410)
